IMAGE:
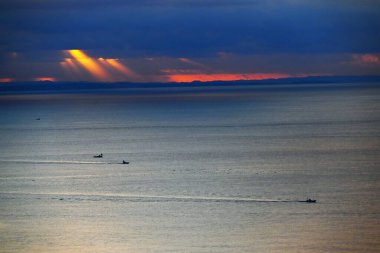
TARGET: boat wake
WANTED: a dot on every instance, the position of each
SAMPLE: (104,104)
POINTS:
(53,162)
(143,198)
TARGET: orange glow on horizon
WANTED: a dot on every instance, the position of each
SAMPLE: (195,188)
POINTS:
(368,58)
(44,78)
(6,80)
(89,64)
(186,78)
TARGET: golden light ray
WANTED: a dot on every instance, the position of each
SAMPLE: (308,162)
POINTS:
(104,64)
(71,65)
(120,67)
(90,65)
(73,69)
(191,62)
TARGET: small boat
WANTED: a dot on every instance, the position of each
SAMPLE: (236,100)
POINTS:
(125,162)
(98,156)
(309,201)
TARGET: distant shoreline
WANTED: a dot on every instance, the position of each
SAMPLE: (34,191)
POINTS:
(46,87)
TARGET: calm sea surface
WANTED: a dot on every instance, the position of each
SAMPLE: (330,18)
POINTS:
(210,171)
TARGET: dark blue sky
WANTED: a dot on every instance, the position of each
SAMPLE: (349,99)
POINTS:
(160,39)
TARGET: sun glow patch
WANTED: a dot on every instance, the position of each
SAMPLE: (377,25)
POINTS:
(6,80)
(45,78)
(223,77)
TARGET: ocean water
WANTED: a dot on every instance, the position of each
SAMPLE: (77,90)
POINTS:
(215,170)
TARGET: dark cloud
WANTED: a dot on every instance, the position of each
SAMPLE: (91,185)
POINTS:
(170,28)
(75,4)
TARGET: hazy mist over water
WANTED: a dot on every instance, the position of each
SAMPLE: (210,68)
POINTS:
(209,172)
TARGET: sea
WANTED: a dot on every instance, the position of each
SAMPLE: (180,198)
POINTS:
(211,169)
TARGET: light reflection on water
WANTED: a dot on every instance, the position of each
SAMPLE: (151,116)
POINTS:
(206,175)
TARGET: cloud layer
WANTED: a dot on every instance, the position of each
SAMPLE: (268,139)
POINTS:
(41,30)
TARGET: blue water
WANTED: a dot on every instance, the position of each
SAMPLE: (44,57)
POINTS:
(215,171)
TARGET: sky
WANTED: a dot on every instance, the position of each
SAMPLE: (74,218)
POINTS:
(186,40)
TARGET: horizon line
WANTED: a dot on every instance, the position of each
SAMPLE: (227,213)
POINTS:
(195,81)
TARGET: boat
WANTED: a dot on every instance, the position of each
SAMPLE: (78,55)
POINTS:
(98,156)
(125,162)
(309,201)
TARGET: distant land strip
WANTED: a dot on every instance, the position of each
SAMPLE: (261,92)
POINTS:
(43,87)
